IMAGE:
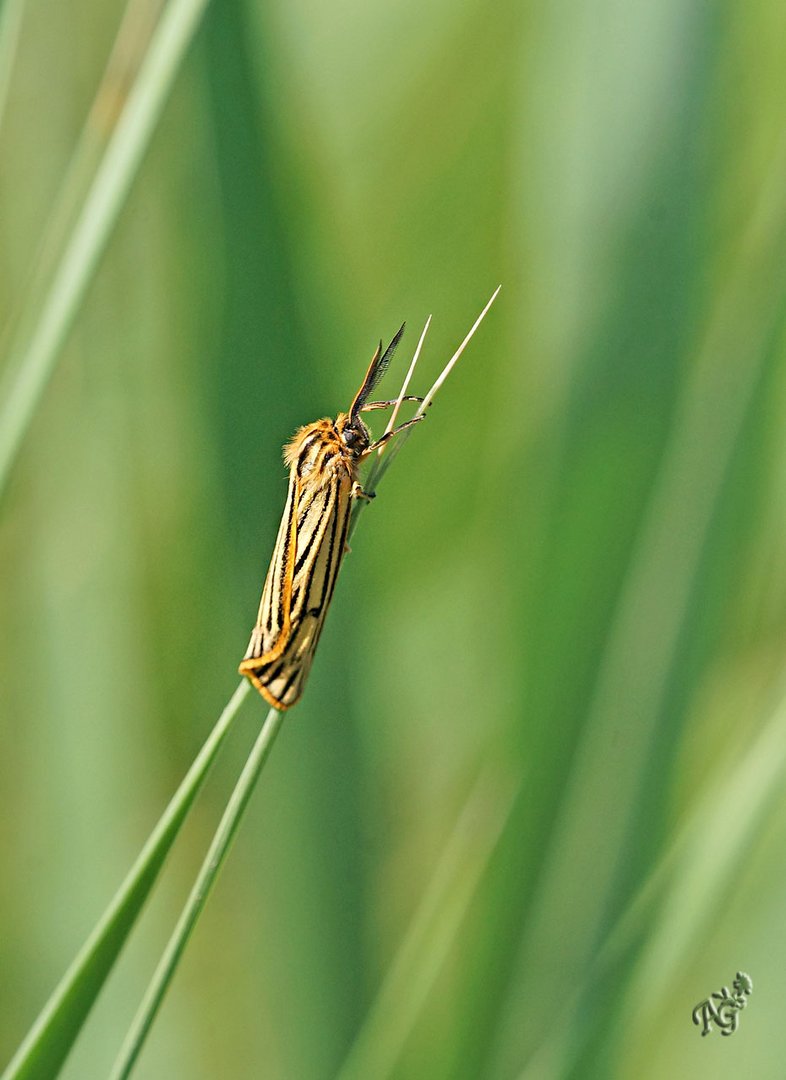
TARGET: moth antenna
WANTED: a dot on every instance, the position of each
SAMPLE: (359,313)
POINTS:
(376,369)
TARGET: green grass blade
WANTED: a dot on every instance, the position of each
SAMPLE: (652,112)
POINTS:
(126,57)
(48,1042)
(205,880)
(32,362)
(433,930)
(384,461)
(675,909)
(10,24)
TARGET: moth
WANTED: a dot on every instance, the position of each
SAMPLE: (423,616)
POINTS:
(323,460)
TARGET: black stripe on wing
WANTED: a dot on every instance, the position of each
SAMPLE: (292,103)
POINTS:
(282,680)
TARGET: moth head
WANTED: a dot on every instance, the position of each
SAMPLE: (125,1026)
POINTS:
(353,433)
(350,427)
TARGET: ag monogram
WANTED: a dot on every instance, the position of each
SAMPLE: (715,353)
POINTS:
(725,1010)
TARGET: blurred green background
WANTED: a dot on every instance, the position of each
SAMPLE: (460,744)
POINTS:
(538,771)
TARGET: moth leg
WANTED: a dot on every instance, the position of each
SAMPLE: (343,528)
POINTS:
(389,435)
(387,404)
(358,493)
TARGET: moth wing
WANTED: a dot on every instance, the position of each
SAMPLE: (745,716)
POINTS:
(320,519)
(281,681)
(272,627)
